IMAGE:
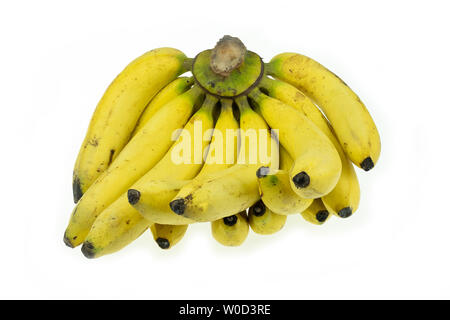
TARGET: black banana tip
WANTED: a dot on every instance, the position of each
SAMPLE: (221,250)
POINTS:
(88,250)
(133,196)
(301,180)
(258,209)
(163,243)
(367,164)
(76,188)
(345,212)
(67,241)
(230,221)
(262,172)
(178,206)
(322,215)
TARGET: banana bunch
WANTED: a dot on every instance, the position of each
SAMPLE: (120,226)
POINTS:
(238,143)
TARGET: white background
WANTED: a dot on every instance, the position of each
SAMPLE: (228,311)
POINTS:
(56,60)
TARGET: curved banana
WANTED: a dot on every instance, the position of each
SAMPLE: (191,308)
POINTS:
(153,202)
(166,235)
(152,198)
(276,191)
(316,213)
(317,165)
(222,151)
(120,223)
(231,231)
(343,200)
(168,93)
(263,221)
(223,193)
(118,111)
(347,114)
(143,151)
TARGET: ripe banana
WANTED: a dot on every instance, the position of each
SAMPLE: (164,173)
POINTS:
(263,221)
(276,191)
(347,114)
(120,223)
(153,202)
(118,111)
(222,151)
(166,235)
(168,93)
(234,189)
(141,153)
(317,165)
(316,213)
(231,231)
(343,200)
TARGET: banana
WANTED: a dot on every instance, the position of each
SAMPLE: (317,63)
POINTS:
(120,223)
(166,235)
(263,221)
(349,117)
(316,213)
(343,200)
(143,151)
(118,111)
(151,200)
(231,231)
(168,93)
(276,191)
(317,165)
(223,193)
(222,151)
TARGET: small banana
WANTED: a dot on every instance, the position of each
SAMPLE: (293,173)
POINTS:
(166,235)
(316,213)
(120,223)
(222,151)
(317,165)
(143,151)
(231,231)
(153,202)
(234,189)
(263,221)
(168,93)
(118,111)
(276,191)
(343,200)
(347,114)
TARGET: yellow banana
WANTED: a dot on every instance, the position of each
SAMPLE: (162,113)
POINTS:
(276,191)
(120,223)
(153,202)
(168,93)
(118,111)
(317,165)
(166,235)
(347,114)
(222,151)
(231,231)
(223,193)
(343,200)
(263,221)
(143,151)
(316,213)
